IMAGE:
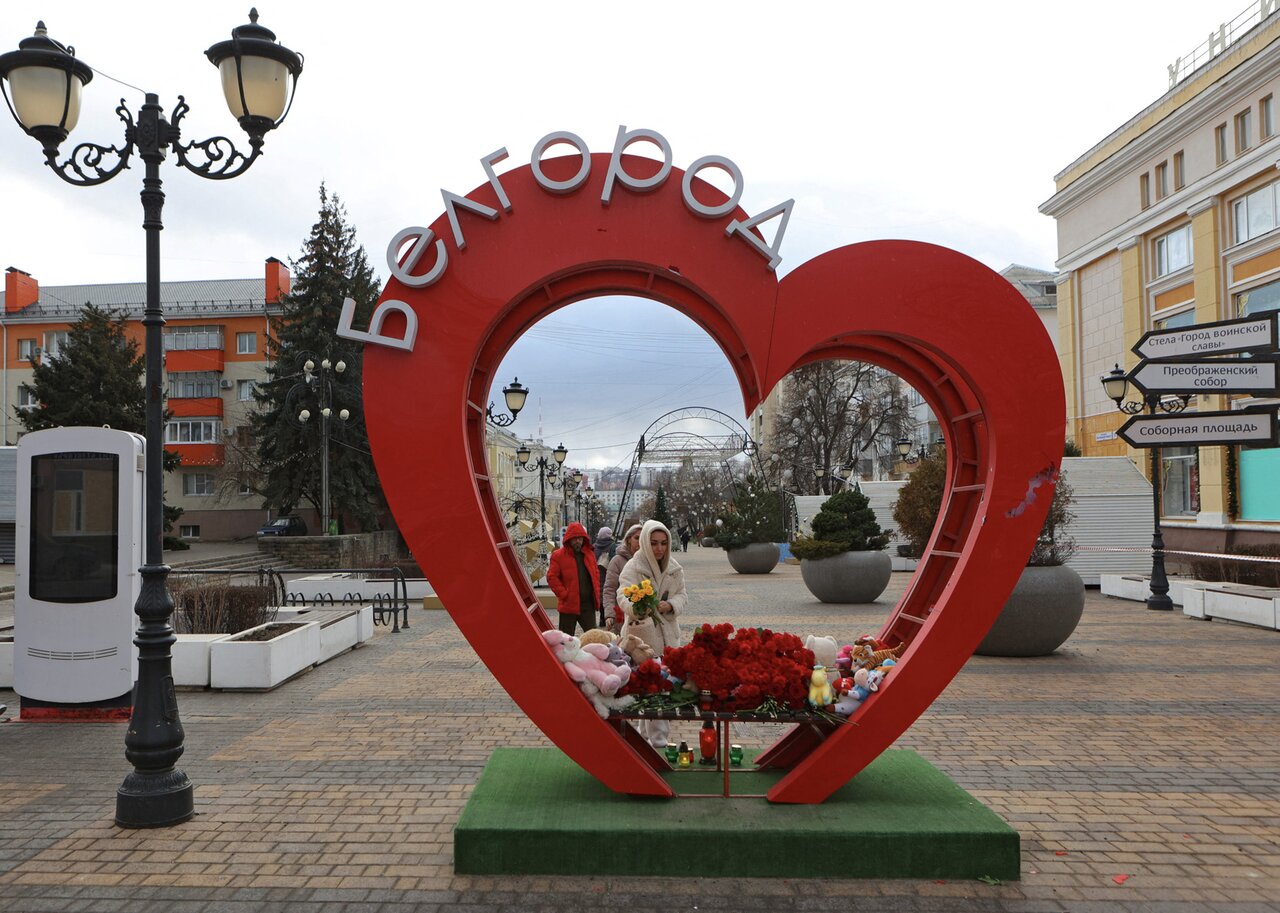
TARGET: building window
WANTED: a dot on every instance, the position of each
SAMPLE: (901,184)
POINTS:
(245,390)
(1254,214)
(192,384)
(1183,318)
(1244,130)
(1162,180)
(189,530)
(27,397)
(246,343)
(1258,300)
(1179,172)
(1220,142)
(197,484)
(245,488)
(26,350)
(55,342)
(183,339)
(192,431)
(1180,481)
(1144,190)
(1173,251)
(1266,123)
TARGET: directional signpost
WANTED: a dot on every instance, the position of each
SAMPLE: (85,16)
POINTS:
(1255,426)
(1226,337)
(1256,376)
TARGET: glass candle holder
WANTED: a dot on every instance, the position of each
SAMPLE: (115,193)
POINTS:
(735,755)
(673,754)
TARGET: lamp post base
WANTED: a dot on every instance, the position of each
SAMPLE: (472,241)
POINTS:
(1160,603)
(154,799)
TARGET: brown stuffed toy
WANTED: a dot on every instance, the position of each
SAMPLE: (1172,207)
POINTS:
(637,650)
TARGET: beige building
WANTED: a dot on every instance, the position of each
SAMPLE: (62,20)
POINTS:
(1170,221)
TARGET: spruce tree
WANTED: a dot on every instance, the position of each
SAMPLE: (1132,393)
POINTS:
(95,379)
(332,266)
(660,511)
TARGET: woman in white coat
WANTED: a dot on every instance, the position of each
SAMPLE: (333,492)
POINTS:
(654,562)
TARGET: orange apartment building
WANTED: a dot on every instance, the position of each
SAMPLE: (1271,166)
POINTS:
(215,339)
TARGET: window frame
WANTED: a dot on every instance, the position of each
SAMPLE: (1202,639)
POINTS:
(173,430)
(251,338)
(198,485)
(203,384)
(1179,171)
(1220,143)
(1144,190)
(1241,204)
(1266,117)
(1244,131)
(54,341)
(189,530)
(203,338)
(241,386)
(1160,255)
(27,349)
(1162,180)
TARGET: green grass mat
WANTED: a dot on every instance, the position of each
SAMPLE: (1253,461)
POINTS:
(535,812)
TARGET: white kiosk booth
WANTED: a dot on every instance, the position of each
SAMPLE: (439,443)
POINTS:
(79,530)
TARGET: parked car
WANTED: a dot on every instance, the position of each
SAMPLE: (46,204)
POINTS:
(284,526)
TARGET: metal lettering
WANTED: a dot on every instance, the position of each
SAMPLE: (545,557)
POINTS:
(487,164)
(535,162)
(375,336)
(617,173)
(1173,72)
(452,203)
(713,212)
(1218,40)
(768,251)
(422,240)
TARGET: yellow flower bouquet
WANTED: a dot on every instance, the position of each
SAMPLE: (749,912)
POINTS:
(644,602)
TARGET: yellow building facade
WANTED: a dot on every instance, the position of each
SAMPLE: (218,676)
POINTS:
(1174,220)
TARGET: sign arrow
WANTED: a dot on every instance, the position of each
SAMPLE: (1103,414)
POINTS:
(1256,375)
(1255,426)
(1225,337)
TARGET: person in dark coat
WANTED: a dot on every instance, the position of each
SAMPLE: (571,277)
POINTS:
(684,538)
(575,580)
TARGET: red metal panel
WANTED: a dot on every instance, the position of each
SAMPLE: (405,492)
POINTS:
(194,360)
(954,329)
(199,454)
(201,407)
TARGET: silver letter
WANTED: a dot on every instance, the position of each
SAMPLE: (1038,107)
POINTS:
(769,251)
(487,163)
(374,335)
(1218,39)
(1266,8)
(452,202)
(700,209)
(1173,72)
(569,186)
(422,239)
(617,172)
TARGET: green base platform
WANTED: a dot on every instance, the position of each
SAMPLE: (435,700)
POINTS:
(535,812)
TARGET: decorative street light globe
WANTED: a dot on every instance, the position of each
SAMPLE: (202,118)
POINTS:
(258,76)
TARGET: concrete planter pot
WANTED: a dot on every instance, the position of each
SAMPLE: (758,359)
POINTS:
(262,665)
(708,542)
(850,577)
(1041,614)
(756,558)
(191,659)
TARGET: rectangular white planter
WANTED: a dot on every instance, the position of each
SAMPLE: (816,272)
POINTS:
(6,664)
(262,665)
(364,624)
(191,659)
(339,632)
(1138,587)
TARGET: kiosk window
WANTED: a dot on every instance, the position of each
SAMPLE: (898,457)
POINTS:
(75,526)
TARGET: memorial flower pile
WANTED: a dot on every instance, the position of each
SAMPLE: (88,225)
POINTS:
(647,680)
(746,669)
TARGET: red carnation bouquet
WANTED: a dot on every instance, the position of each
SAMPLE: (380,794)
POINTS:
(746,669)
(646,680)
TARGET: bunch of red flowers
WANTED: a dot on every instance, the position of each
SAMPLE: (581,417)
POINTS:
(646,679)
(745,668)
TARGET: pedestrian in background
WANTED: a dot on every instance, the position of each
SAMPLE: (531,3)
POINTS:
(575,580)
(684,538)
(629,545)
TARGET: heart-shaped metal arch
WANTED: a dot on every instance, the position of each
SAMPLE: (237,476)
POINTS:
(952,328)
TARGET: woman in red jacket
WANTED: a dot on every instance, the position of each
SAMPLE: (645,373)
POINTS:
(575,580)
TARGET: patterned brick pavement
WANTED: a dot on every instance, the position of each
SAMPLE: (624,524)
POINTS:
(1148,747)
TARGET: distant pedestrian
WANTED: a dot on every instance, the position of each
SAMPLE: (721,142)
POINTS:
(605,547)
(575,580)
(630,545)
(684,538)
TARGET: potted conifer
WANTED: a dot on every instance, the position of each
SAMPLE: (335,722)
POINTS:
(844,561)
(750,531)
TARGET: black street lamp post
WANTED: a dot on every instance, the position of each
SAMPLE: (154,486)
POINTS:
(42,83)
(1116,385)
(316,388)
(548,474)
(908,454)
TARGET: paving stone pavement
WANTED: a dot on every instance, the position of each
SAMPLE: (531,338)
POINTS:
(1147,747)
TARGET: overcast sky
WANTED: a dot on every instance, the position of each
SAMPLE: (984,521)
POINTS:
(942,122)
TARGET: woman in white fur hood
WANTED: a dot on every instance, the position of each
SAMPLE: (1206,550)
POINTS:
(654,562)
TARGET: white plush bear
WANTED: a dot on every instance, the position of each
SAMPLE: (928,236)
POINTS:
(824,650)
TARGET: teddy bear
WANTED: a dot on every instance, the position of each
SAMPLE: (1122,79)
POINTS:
(848,699)
(819,689)
(587,664)
(604,703)
(824,649)
(637,651)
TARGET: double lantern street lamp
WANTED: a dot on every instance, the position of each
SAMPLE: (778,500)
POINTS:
(42,83)
(548,473)
(1116,385)
(316,387)
(907,453)
(515,396)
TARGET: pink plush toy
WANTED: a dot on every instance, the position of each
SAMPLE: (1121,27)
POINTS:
(587,664)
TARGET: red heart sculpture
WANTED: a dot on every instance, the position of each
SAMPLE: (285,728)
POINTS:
(955,330)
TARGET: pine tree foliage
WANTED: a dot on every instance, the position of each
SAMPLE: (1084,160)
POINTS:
(660,511)
(332,266)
